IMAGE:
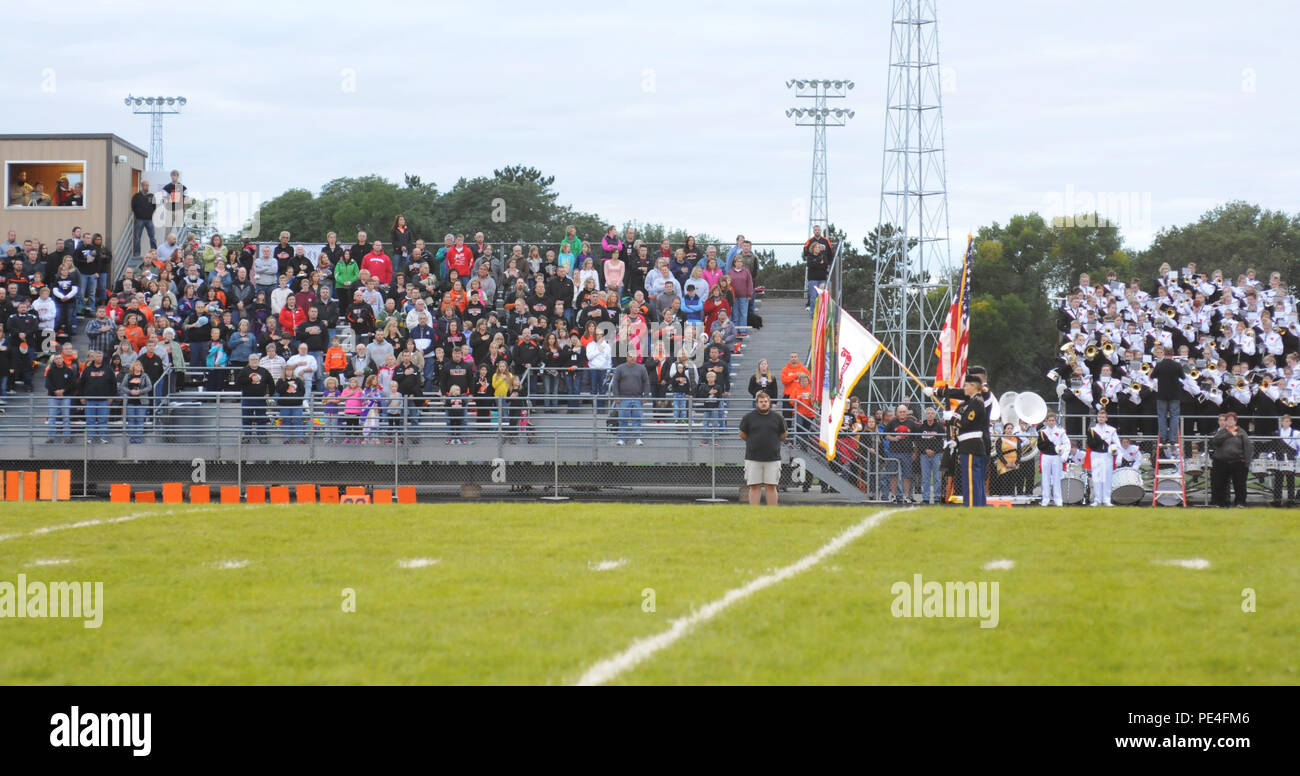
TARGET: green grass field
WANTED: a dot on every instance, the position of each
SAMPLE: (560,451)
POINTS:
(517,594)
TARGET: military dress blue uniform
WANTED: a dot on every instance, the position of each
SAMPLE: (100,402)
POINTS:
(972,444)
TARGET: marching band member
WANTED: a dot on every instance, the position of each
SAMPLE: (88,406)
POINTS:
(1053,448)
(1287,450)
(1103,444)
(1130,457)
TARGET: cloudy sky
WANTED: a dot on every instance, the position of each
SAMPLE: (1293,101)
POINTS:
(673,112)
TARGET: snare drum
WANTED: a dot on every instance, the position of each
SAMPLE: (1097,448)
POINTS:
(1126,487)
(1073,486)
(1261,465)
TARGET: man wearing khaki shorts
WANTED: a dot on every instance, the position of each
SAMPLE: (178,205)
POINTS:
(763,431)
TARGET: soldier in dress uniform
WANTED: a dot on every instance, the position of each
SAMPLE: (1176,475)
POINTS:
(972,421)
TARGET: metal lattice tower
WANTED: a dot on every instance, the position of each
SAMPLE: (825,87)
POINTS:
(819,90)
(912,293)
(156,108)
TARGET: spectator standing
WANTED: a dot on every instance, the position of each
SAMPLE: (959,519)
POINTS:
(630,385)
(98,384)
(763,430)
(933,433)
(142,210)
(1230,454)
(902,449)
(818,263)
(174,193)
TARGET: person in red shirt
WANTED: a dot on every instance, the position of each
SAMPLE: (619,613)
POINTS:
(460,257)
(291,315)
(378,264)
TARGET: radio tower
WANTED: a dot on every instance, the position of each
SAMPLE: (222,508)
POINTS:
(912,292)
(819,117)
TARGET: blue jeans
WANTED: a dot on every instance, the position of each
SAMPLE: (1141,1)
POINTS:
(60,416)
(713,419)
(199,354)
(553,384)
(629,418)
(291,420)
(930,476)
(89,289)
(1168,429)
(144,225)
(679,407)
(135,414)
(97,419)
(67,316)
(740,315)
(813,287)
(573,386)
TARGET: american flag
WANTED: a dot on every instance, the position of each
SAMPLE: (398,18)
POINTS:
(954,340)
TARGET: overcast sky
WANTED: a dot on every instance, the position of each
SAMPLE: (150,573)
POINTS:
(674,112)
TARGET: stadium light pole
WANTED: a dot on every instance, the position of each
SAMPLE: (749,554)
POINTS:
(819,116)
(155,108)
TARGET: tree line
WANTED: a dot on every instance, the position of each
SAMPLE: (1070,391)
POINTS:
(1021,268)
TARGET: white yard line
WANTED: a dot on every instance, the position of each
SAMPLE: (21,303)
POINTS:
(418,563)
(49,562)
(606,565)
(642,649)
(230,564)
(1195,564)
(105,521)
(999,565)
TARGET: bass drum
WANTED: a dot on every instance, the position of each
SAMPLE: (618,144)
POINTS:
(1073,486)
(1126,487)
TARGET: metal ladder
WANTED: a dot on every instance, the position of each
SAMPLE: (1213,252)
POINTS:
(1173,488)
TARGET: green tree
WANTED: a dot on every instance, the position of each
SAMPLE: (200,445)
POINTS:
(1233,237)
(1020,270)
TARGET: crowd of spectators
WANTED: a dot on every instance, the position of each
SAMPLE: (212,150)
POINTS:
(377,333)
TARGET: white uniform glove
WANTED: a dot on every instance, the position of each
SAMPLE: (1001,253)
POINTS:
(950,444)
(949,415)
(1060,389)
(928,391)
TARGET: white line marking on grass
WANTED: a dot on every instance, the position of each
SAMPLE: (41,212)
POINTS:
(1189,563)
(230,564)
(999,565)
(418,563)
(49,562)
(642,649)
(105,521)
(606,565)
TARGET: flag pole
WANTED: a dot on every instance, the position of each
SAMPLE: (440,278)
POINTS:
(915,379)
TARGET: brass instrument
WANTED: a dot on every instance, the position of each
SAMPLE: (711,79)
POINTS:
(1266,383)
(1090,352)
(1171,313)
(1241,383)
(1146,367)
(1135,386)
(1195,373)
(1108,348)
(1105,400)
